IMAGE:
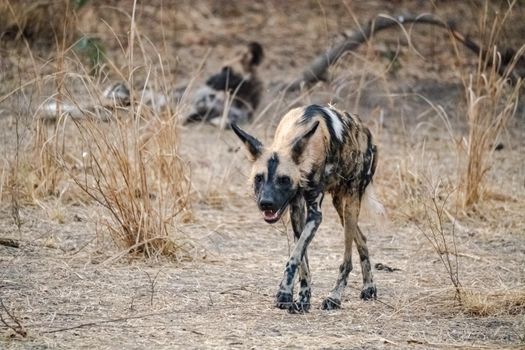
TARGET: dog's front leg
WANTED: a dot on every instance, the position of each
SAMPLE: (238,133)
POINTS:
(298,219)
(284,297)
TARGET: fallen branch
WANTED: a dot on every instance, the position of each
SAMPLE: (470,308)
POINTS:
(508,61)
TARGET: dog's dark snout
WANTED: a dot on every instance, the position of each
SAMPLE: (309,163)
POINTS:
(266,204)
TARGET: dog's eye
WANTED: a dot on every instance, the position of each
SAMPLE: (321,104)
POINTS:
(259,178)
(284,180)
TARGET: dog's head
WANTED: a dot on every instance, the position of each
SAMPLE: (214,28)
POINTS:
(239,69)
(252,56)
(276,174)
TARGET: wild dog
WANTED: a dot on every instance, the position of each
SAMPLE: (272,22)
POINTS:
(315,150)
(237,82)
(236,89)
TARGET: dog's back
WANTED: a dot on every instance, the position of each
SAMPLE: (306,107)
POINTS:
(341,146)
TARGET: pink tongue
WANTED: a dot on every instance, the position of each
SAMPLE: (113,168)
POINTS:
(270,214)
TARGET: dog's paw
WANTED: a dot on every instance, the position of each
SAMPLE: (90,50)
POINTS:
(369,292)
(331,304)
(284,300)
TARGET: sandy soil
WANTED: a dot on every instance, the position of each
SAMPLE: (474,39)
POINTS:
(66,288)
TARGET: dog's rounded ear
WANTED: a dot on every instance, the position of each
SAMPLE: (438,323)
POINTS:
(300,143)
(254,146)
(256,52)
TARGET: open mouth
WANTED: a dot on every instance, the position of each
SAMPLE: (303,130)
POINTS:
(272,216)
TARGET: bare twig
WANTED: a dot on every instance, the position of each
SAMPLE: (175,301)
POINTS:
(152,282)
(112,320)
(18,328)
(436,233)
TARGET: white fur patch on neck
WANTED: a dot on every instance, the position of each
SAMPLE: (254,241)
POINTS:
(337,124)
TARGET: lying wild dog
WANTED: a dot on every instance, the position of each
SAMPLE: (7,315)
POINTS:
(315,150)
(236,88)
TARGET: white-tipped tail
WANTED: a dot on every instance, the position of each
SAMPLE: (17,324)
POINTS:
(370,204)
(51,109)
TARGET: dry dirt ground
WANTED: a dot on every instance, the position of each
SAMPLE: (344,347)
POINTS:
(66,288)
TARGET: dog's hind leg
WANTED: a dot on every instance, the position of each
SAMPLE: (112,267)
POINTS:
(284,297)
(352,234)
(298,218)
(369,290)
(345,208)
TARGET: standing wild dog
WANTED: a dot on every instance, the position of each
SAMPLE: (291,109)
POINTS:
(315,150)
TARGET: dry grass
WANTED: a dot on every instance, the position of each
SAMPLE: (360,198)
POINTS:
(491,103)
(131,166)
(491,303)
